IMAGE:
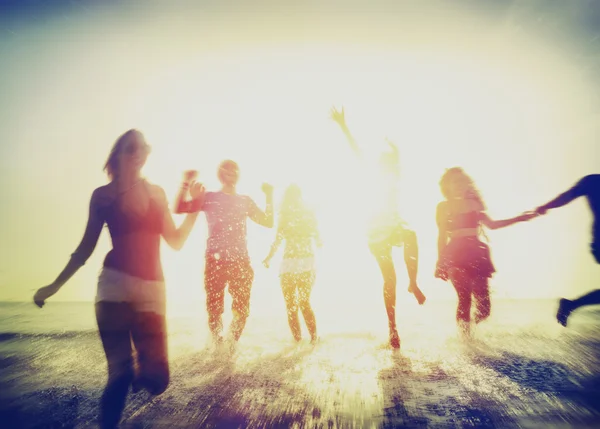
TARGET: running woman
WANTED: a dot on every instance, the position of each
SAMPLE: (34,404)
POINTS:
(298,227)
(462,257)
(130,299)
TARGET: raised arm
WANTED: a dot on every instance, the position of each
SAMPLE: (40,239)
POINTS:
(338,116)
(257,215)
(182,204)
(176,237)
(565,198)
(82,253)
(497,224)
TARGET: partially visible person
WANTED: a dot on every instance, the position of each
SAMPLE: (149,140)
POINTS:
(227,259)
(588,187)
(298,228)
(130,298)
(386,229)
(462,257)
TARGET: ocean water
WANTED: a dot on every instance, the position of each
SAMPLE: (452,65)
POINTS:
(521,369)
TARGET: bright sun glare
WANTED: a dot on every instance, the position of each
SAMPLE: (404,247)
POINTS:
(482,98)
(441,110)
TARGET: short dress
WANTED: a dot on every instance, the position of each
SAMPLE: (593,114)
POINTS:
(298,233)
(466,253)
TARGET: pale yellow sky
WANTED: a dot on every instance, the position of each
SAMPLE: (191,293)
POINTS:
(451,86)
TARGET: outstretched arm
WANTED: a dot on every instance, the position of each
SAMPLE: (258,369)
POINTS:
(80,256)
(182,204)
(565,198)
(339,117)
(176,237)
(257,215)
(497,224)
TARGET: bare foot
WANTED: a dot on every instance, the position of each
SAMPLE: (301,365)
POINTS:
(394,339)
(565,307)
(414,289)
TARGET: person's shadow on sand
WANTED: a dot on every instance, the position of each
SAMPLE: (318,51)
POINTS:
(209,390)
(422,399)
(545,376)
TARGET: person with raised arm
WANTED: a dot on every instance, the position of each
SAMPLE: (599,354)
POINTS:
(227,259)
(589,187)
(130,298)
(386,228)
(298,227)
(462,257)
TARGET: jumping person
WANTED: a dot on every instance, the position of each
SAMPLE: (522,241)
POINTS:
(387,230)
(462,256)
(130,299)
(298,227)
(589,186)
(227,259)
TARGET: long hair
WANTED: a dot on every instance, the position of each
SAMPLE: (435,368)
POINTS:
(292,205)
(295,218)
(112,163)
(471,192)
(458,174)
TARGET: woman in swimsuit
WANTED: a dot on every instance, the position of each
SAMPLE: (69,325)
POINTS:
(130,299)
(462,257)
(298,227)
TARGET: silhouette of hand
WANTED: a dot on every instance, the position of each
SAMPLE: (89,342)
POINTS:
(43,294)
(267,189)
(189,175)
(338,116)
(527,216)
(392,145)
(266,262)
(197,191)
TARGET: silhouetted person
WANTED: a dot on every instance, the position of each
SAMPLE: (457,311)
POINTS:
(462,256)
(387,229)
(298,227)
(589,187)
(227,259)
(130,299)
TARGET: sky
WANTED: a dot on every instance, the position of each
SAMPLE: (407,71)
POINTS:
(506,89)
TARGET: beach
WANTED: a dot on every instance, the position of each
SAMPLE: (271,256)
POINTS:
(521,369)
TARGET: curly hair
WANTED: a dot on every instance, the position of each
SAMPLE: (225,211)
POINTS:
(458,174)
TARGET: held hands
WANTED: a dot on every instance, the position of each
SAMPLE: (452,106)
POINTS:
(43,294)
(527,216)
(541,210)
(338,116)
